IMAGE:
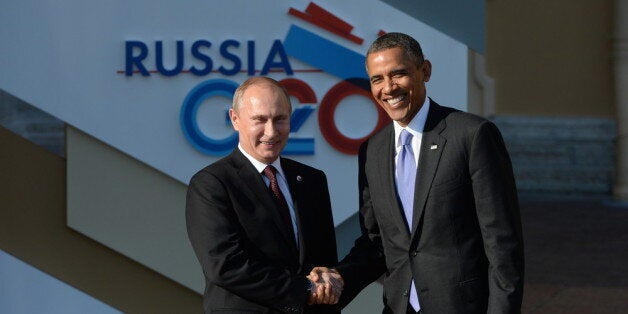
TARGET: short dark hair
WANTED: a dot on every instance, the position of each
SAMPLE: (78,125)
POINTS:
(409,45)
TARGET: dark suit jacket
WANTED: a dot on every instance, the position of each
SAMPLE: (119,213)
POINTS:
(465,249)
(248,255)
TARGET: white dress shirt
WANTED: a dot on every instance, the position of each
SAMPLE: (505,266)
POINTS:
(415,127)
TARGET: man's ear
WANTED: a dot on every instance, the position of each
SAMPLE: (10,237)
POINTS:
(234,119)
(426,68)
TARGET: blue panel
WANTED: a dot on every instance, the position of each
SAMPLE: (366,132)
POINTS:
(324,54)
(299,146)
(299,116)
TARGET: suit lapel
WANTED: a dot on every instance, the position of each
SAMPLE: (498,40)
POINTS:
(296,193)
(296,186)
(255,185)
(387,175)
(432,145)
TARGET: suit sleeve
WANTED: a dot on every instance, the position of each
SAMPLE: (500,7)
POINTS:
(227,260)
(325,242)
(365,262)
(326,236)
(498,214)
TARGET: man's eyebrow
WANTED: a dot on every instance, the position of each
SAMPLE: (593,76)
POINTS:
(397,71)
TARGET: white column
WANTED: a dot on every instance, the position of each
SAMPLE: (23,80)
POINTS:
(620,53)
(481,87)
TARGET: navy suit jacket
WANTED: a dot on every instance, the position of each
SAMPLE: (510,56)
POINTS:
(248,255)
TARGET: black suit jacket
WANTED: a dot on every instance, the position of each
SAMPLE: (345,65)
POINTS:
(248,255)
(465,249)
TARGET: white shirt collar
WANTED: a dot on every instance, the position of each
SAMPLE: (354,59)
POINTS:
(260,166)
(416,125)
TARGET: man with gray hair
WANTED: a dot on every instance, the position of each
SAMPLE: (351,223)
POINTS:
(259,222)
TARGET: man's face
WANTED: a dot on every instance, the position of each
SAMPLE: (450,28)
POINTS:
(398,83)
(263,122)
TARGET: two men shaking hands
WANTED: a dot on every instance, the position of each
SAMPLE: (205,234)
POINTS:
(438,207)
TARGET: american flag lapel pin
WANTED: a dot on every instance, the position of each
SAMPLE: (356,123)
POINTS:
(433,146)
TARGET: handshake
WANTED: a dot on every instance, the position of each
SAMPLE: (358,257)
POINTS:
(327,285)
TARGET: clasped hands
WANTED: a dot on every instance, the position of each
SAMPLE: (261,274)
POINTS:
(328,285)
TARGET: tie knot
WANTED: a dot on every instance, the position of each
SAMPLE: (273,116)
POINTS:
(405,137)
(270,171)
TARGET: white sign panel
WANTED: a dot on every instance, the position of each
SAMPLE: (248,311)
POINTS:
(155,78)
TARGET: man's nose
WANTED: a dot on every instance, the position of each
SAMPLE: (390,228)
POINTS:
(270,129)
(389,86)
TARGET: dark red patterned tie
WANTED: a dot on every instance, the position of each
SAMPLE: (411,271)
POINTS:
(282,205)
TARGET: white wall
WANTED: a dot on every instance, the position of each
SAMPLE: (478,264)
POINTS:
(64,58)
(26,290)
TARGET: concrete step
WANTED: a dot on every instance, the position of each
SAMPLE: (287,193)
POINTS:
(561,154)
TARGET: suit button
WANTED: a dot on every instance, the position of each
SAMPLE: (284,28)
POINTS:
(414,253)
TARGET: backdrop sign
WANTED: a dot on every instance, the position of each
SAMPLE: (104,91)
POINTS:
(156,80)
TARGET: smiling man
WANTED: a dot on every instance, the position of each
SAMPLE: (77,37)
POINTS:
(438,203)
(259,222)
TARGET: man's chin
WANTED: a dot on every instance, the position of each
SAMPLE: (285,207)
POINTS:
(270,156)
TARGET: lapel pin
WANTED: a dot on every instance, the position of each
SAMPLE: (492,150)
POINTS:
(433,146)
(299,178)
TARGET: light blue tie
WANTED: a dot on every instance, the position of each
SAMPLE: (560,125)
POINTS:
(406,176)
